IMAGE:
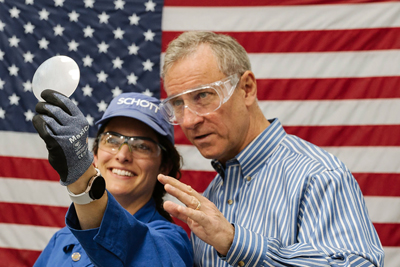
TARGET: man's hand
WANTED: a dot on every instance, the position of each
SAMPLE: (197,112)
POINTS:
(204,219)
(64,129)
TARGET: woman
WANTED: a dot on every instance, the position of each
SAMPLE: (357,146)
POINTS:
(126,224)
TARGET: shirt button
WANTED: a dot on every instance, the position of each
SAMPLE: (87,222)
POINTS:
(241,263)
(230,201)
(248,178)
(76,256)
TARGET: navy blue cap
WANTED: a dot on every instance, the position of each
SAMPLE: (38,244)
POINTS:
(141,107)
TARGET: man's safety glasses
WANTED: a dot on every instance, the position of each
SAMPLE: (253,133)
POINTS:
(139,146)
(200,100)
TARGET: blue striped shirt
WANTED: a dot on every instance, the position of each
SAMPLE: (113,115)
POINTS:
(292,204)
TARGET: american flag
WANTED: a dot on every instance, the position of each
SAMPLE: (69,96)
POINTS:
(329,70)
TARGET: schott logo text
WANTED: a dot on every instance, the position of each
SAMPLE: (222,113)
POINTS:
(76,137)
(138,102)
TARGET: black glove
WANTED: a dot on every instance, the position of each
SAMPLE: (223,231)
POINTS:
(65,131)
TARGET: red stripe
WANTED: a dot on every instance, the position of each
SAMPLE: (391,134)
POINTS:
(342,135)
(38,215)
(325,89)
(198,180)
(213,3)
(389,234)
(18,257)
(310,41)
(16,167)
(379,184)
(377,135)
(328,89)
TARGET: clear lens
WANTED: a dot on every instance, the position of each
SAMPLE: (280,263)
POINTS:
(201,100)
(140,147)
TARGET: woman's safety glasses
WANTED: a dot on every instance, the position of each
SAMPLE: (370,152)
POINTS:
(200,100)
(140,147)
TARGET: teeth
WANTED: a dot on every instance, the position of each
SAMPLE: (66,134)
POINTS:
(122,172)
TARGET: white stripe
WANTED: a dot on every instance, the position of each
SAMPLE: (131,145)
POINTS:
(25,236)
(368,159)
(28,191)
(392,256)
(333,112)
(358,159)
(383,209)
(282,18)
(326,65)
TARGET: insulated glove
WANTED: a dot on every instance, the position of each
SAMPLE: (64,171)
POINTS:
(65,131)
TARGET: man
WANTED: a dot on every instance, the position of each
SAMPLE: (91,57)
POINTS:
(277,200)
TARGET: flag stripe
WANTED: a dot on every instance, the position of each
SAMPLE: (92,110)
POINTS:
(18,257)
(346,135)
(38,215)
(282,18)
(310,41)
(217,3)
(328,89)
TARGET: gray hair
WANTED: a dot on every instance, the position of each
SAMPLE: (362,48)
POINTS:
(230,55)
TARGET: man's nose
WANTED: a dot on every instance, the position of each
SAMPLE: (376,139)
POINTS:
(190,118)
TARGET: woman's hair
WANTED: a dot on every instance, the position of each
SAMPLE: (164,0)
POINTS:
(230,55)
(170,159)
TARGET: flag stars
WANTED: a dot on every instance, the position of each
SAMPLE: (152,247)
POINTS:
(150,5)
(118,33)
(119,4)
(116,91)
(29,2)
(43,43)
(2,113)
(87,90)
(103,47)
(148,65)
(14,99)
(44,14)
(1,55)
(117,63)
(90,119)
(2,84)
(58,2)
(134,19)
(27,86)
(89,3)
(13,70)
(13,41)
(73,16)
(29,115)
(103,18)
(102,77)
(88,31)
(132,78)
(87,61)
(102,106)
(73,45)
(2,25)
(149,35)
(28,57)
(58,30)
(29,27)
(14,12)
(147,92)
(133,49)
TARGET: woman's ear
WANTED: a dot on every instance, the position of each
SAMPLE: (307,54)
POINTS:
(95,160)
(249,85)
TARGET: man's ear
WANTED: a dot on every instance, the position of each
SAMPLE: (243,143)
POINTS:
(249,85)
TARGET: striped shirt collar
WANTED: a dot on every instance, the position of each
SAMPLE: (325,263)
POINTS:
(254,155)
